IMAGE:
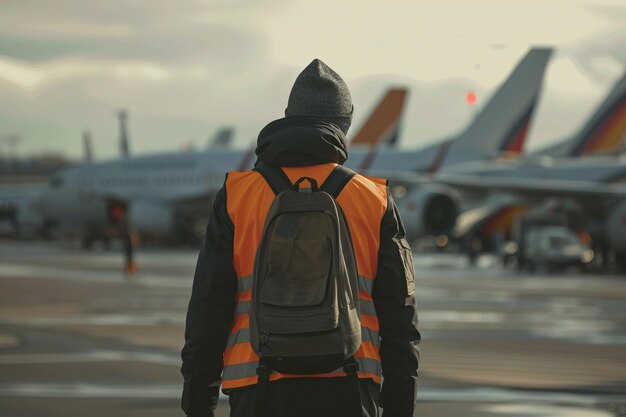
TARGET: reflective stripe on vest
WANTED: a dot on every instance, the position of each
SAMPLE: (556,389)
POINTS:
(364,202)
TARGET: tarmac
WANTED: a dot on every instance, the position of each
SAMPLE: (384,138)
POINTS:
(78,338)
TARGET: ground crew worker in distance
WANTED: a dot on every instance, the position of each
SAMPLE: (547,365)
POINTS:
(309,141)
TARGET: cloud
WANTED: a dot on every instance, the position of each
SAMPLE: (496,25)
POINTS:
(158,30)
(184,68)
(602,57)
(33,77)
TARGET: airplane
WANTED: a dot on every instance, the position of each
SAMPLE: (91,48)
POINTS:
(160,193)
(19,212)
(500,129)
(171,192)
(603,133)
(492,192)
(19,203)
(429,208)
(595,188)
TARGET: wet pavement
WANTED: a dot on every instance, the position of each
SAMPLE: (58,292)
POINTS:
(77,338)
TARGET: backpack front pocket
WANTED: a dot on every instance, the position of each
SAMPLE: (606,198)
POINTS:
(298,271)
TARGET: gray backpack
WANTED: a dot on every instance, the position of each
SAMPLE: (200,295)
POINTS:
(304,314)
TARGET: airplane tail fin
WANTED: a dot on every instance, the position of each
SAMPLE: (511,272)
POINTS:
(87,147)
(247,161)
(383,125)
(222,139)
(605,132)
(501,128)
(124,146)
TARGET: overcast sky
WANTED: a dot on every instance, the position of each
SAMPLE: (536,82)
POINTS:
(185,68)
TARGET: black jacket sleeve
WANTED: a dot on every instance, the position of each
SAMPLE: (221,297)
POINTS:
(393,297)
(209,315)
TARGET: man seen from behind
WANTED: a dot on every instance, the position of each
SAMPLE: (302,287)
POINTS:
(224,333)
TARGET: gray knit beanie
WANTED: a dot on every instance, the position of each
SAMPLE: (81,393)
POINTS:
(320,91)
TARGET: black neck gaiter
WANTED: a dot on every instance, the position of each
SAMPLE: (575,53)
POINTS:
(296,141)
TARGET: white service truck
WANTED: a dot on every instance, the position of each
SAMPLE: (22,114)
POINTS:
(554,247)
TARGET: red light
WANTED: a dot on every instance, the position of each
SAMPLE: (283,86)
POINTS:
(470,98)
(117,212)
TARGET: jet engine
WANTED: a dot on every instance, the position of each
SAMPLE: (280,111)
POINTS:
(429,210)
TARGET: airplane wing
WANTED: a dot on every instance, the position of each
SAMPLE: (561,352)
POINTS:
(539,188)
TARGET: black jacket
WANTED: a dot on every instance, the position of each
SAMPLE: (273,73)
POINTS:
(299,141)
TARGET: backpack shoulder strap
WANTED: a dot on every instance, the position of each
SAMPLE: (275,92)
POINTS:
(275,177)
(337,180)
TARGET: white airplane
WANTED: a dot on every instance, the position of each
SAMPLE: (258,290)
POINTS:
(496,194)
(500,128)
(172,192)
(498,132)
(169,192)
(19,211)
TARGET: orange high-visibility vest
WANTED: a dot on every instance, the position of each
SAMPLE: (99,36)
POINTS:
(248,198)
